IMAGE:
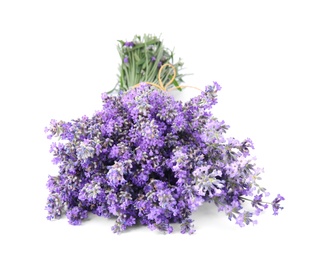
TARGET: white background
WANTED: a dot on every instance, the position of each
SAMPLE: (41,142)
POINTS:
(57,57)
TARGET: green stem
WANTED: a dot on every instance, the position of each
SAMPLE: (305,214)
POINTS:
(252,200)
(146,62)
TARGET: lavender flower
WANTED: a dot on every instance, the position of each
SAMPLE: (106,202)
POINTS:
(146,158)
(84,150)
(129,44)
(115,175)
(187,226)
(75,215)
(276,204)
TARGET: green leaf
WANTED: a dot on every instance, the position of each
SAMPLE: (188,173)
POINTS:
(175,83)
(136,56)
(109,92)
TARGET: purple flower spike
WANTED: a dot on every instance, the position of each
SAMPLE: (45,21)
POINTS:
(276,204)
(129,44)
(147,158)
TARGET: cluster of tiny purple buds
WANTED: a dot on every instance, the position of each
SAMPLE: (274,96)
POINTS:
(126,59)
(147,158)
(129,44)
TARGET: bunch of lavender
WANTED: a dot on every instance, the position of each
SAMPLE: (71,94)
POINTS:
(141,60)
(148,159)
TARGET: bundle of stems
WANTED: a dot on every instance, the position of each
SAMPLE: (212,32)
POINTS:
(141,60)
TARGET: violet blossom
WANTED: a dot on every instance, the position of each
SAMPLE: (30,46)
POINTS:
(146,158)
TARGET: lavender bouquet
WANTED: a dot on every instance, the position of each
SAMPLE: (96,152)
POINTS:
(148,159)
